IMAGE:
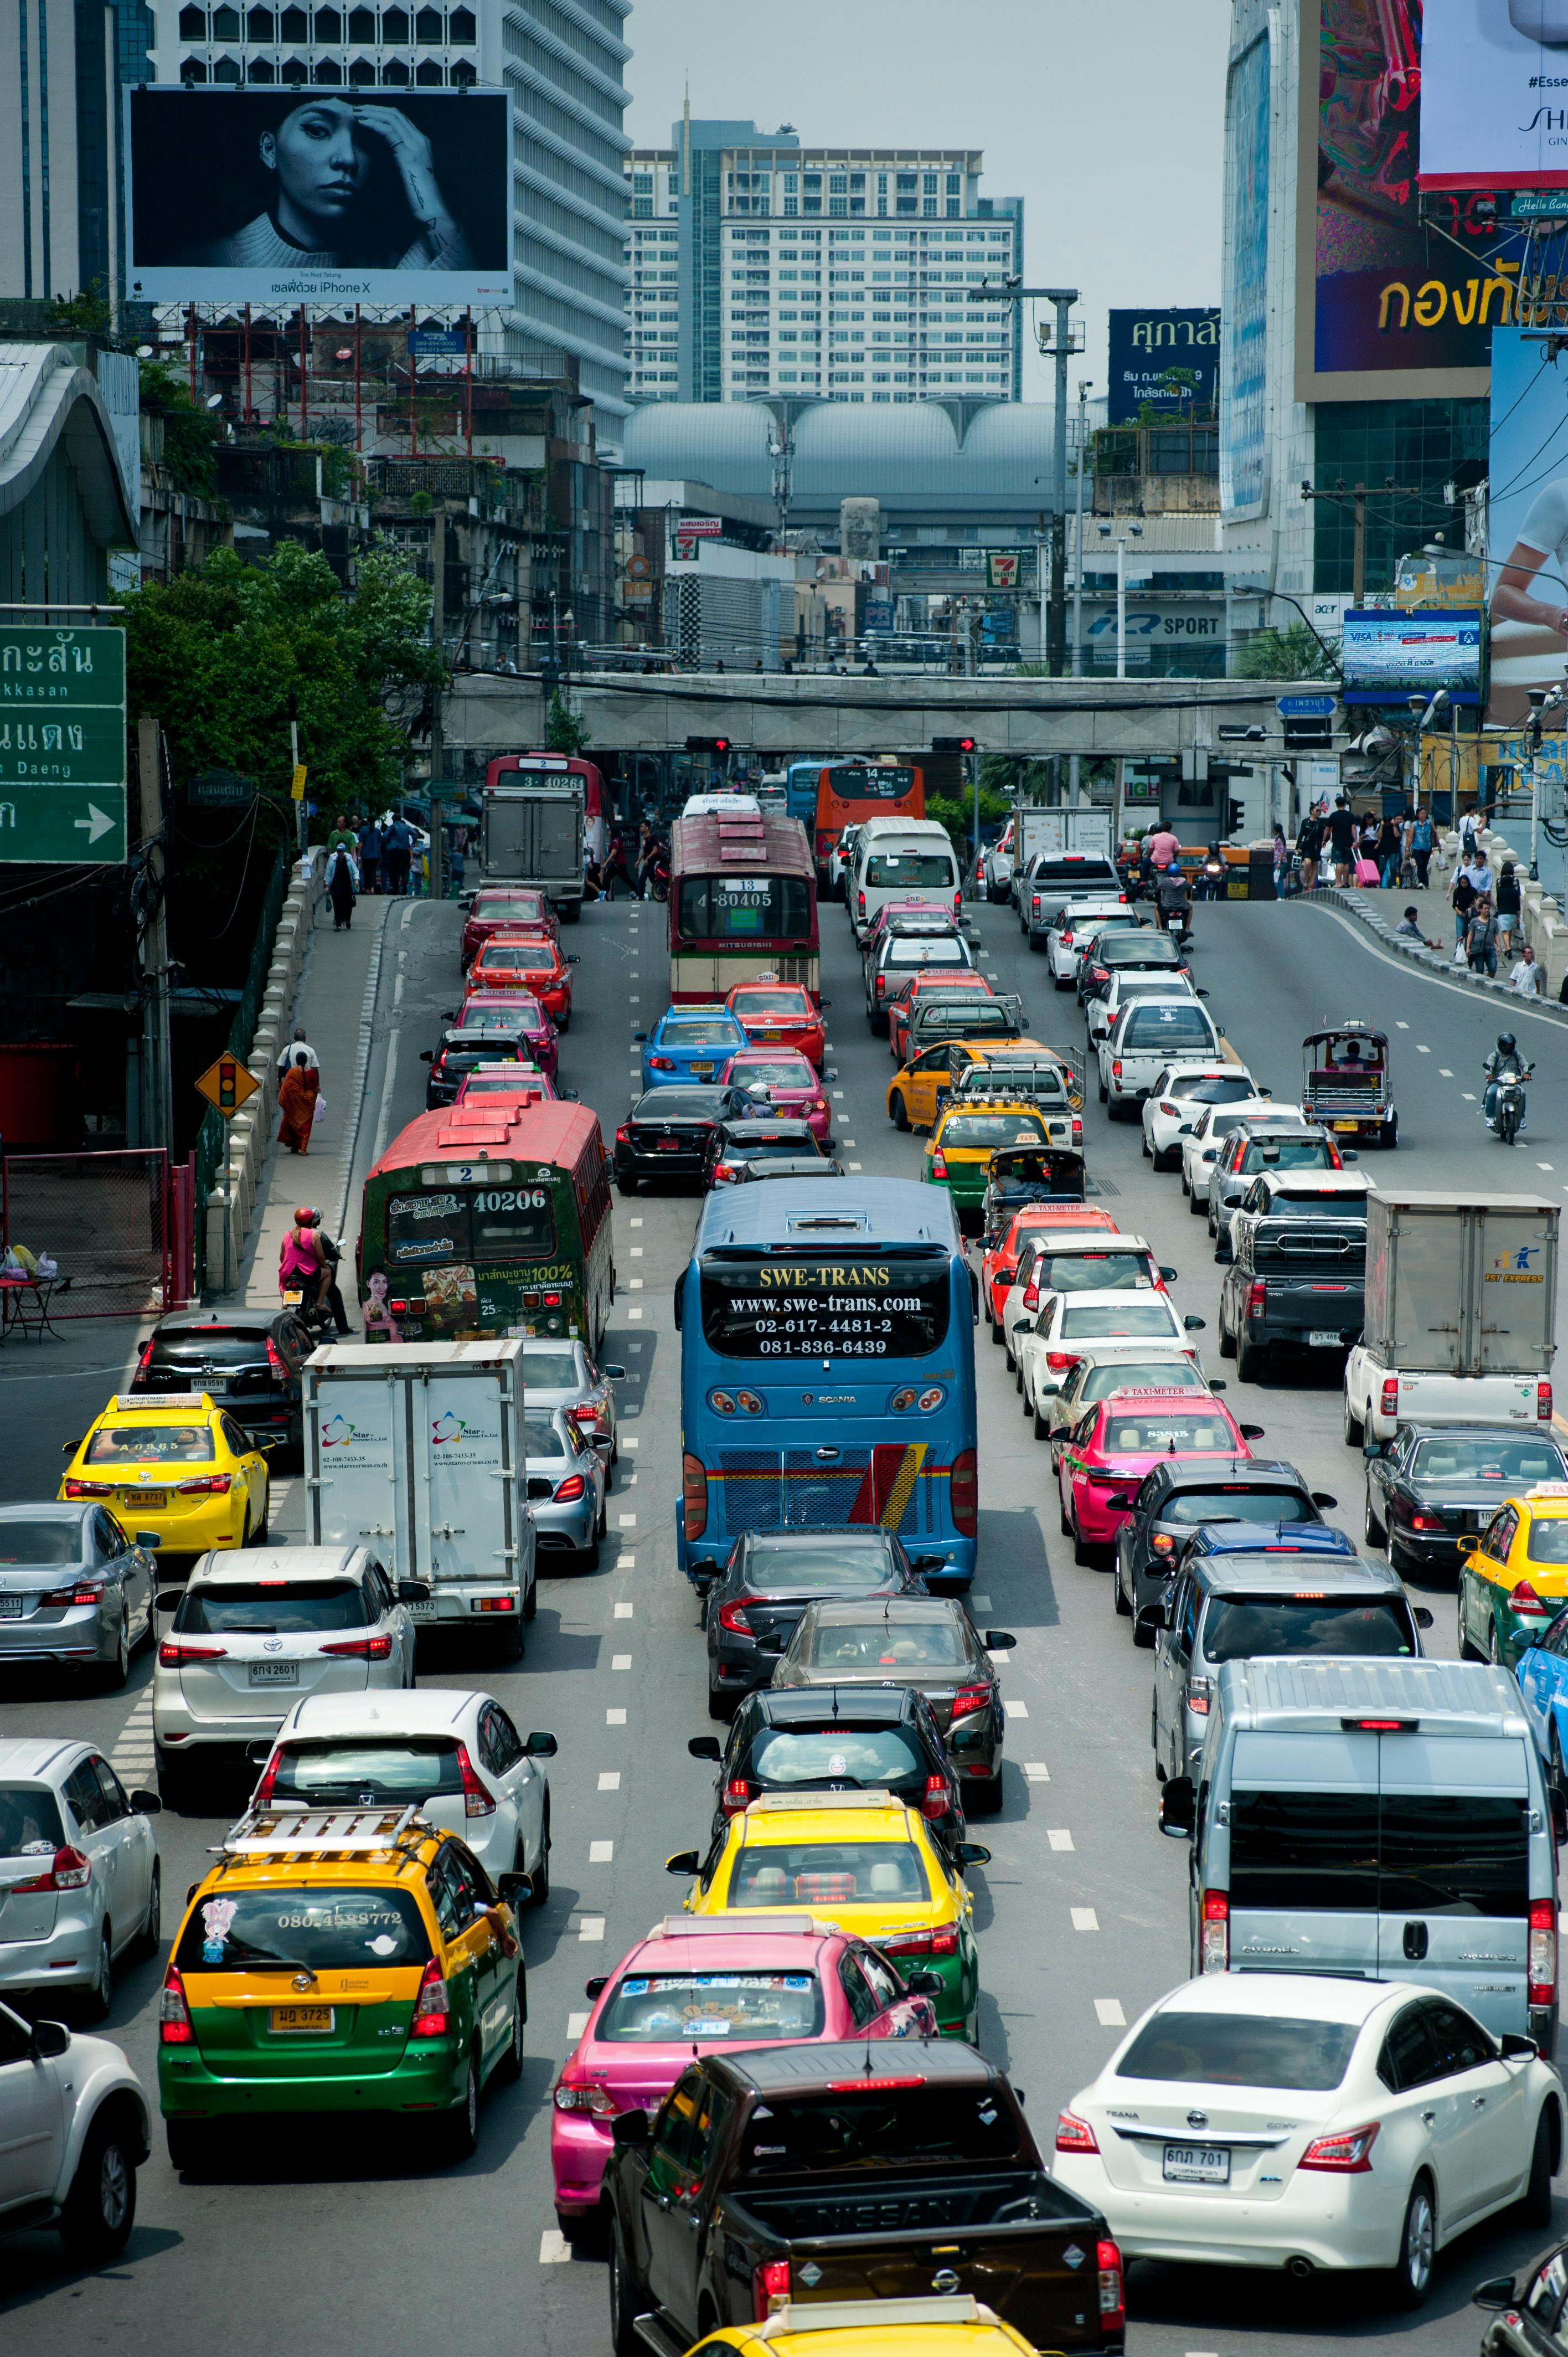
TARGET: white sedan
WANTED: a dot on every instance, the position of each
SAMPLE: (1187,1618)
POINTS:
(1283,2120)
(1074,1260)
(1047,1346)
(1180,1095)
(1107,1367)
(1073,924)
(1200,1146)
(1120,991)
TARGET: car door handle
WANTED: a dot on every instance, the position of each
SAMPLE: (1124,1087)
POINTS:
(1427,2118)
(1477,2103)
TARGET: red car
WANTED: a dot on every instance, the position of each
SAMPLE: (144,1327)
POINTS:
(695,1987)
(901,1005)
(1120,1439)
(999,1263)
(779,1015)
(530,962)
(794,1090)
(514,1010)
(506,907)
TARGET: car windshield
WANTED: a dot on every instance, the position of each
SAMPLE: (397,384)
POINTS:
(929,870)
(1139,1374)
(772,1002)
(1235,1502)
(1239,2049)
(1239,1628)
(1092,1271)
(1029,1080)
(1327,1205)
(774,1149)
(669,2008)
(235,1930)
(518,905)
(1154,949)
(1294,1154)
(993,1129)
(1135,985)
(515,957)
(213,1346)
(1212,1091)
(143,1443)
(902,2128)
(1486,1456)
(262,1607)
(46,1543)
(946,950)
(527,1018)
(1105,1323)
(868,1756)
(889,1645)
(396,1768)
(1134,1433)
(775,1072)
(772,1569)
(791,1874)
(551,1371)
(1166,1023)
(720,1033)
(29,1821)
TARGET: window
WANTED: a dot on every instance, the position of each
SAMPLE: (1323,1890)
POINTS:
(116,1803)
(1217,2050)
(30,1823)
(428,25)
(1409,2058)
(429,73)
(1460,2043)
(659,2009)
(1238,1629)
(394,24)
(329,25)
(461,30)
(260,24)
(863,2004)
(84,1797)
(261,1608)
(193,24)
(362,24)
(784,1874)
(728,908)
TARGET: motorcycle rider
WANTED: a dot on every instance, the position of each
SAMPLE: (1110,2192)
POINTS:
(1212,883)
(1505,1062)
(331,1296)
(1172,900)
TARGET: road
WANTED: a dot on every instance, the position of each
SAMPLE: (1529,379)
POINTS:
(358,2244)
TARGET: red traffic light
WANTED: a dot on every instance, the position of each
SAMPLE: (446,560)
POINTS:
(707,744)
(953,743)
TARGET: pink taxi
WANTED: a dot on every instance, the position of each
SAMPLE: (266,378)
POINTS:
(794,1090)
(518,1011)
(1121,1438)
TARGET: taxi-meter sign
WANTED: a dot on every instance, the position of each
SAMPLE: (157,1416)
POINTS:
(227,1084)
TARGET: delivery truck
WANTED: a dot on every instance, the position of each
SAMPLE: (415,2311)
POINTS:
(534,833)
(419,1449)
(1460,1318)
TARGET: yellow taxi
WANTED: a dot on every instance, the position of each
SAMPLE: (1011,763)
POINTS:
(941,2326)
(967,1132)
(341,1960)
(177,1467)
(919,1088)
(1514,1579)
(863,1861)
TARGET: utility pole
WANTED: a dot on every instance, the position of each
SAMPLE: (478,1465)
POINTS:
(1355,498)
(1078,568)
(158,1120)
(438,640)
(1061,346)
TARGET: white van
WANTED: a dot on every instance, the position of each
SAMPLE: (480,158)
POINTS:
(902,859)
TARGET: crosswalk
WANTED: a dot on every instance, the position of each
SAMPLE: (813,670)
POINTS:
(132,1757)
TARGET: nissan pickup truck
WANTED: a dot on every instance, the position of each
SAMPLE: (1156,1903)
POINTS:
(793,2175)
(1298,1242)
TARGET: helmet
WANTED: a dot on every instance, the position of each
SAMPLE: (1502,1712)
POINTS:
(1506,1043)
(304,1216)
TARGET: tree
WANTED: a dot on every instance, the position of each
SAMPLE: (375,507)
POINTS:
(188,434)
(1294,653)
(563,732)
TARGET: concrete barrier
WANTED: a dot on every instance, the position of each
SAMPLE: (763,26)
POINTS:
(252,1129)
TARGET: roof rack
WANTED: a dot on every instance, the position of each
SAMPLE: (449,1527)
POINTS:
(195,1401)
(267,1832)
(865,2315)
(733,1924)
(771,1803)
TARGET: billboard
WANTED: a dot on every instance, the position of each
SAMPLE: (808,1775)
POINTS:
(1527,521)
(1492,104)
(1243,407)
(1387,655)
(326,196)
(1147,346)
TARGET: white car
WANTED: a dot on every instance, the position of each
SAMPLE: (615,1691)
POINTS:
(563,1373)
(74,2129)
(1148,1033)
(1046,1349)
(1179,1096)
(252,1633)
(1200,1146)
(80,1883)
(1273,2119)
(996,868)
(1074,1260)
(456,1754)
(1122,989)
(1106,1367)
(839,859)
(1076,919)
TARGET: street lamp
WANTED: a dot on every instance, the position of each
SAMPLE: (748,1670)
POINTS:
(1137,530)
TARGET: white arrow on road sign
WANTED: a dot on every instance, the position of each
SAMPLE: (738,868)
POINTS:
(96,822)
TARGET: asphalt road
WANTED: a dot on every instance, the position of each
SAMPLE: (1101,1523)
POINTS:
(354,2242)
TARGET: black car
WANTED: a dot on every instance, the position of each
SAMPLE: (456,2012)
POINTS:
(458,1054)
(247,1360)
(754,1604)
(1530,2309)
(781,1166)
(1171,1502)
(830,1739)
(1433,1486)
(668,1131)
(1144,951)
(733,1142)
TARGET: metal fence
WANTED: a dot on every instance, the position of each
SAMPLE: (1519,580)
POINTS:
(106,1219)
(211,1136)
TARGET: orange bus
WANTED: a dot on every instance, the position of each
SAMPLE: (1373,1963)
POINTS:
(848,791)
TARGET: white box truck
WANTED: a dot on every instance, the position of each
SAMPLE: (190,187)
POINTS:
(1461,1313)
(419,1448)
(534,833)
(1059,830)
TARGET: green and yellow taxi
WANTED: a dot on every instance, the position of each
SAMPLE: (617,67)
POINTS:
(922,1084)
(177,1466)
(966,1135)
(944,2325)
(1514,1579)
(862,1861)
(341,1961)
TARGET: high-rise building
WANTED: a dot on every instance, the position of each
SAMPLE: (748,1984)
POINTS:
(759,265)
(563,61)
(63,66)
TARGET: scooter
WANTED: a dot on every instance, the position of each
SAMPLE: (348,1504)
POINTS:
(1508,1117)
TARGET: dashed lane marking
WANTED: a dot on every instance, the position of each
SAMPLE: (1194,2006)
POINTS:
(1084,1919)
(1036,1772)
(620,1661)
(576,2024)
(1444,1072)
(601,1853)
(1109,2014)
(1420,1050)
(555,2250)
(623,1610)
(1059,1838)
(590,1928)
(628,1522)
(609,1780)
(1016,1709)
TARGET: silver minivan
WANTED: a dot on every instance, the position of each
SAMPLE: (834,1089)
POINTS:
(1376,1820)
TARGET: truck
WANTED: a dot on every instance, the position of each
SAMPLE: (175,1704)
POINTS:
(534,833)
(1034,830)
(815,2175)
(1460,1318)
(1298,1246)
(420,1449)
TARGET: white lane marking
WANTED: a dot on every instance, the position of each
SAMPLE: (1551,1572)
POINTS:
(1036,1772)
(1401,1027)
(1109,2014)
(1059,1838)
(1468,1095)
(981,1603)
(631,997)
(634,1284)
(615,1719)
(996,1657)
(576,2024)
(1403,965)
(838,1093)
(591,1928)
(1444,1072)
(628,1522)
(1420,1050)
(634,1223)
(609,1780)
(634,1252)
(635,1313)
(620,1661)
(601,1853)
(1016,1709)
(848,1141)
(854,1166)
(624,1611)
(1084,1919)
(628,1563)
(630,1441)
(555,2250)
(1543,1166)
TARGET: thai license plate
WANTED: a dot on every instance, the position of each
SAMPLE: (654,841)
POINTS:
(667,1146)
(1197,2164)
(293,1297)
(145,1497)
(1345,1125)
(770,1035)
(274,1673)
(702,1072)
(291,2019)
(425,1611)
(1326,1337)
(10,1607)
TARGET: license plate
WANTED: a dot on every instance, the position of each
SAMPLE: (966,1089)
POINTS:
(425,1611)
(10,1607)
(702,1072)
(770,1035)
(1326,1337)
(667,1146)
(145,1497)
(291,2019)
(292,1298)
(1197,2164)
(1345,1125)
(274,1673)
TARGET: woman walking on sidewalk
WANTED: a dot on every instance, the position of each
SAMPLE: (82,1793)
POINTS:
(297,1100)
(340,886)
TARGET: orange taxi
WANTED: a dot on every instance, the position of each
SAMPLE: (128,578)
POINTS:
(530,962)
(999,1259)
(779,1015)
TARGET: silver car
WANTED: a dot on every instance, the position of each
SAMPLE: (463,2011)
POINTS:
(76,1589)
(252,1633)
(567,1481)
(563,1374)
(78,1871)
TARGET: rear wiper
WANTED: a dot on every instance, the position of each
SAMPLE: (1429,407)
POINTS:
(271,1965)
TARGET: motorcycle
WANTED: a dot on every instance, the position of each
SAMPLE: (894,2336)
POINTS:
(1508,1117)
(1177,923)
(1213,879)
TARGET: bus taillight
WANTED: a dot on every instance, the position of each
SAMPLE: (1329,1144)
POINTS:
(695,1495)
(962,1494)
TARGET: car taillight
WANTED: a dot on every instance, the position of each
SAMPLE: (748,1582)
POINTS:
(1391,1396)
(90,1489)
(1077,1131)
(174,1654)
(623,1136)
(1415,1520)
(1541,1970)
(1347,2154)
(1059,1362)
(263,1792)
(79,1593)
(1214,1937)
(1065,940)
(275,1367)
(68,1870)
(732,1616)
(570,1490)
(1031,1297)
(963,1494)
(1113,2299)
(432,2007)
(1199,1694)
(921,1944)
(211,1485)
(1526,1605)
(939,1164)
(174,2014)
(881,987)
(1074,2135)
(693,1496)
(660,1064)
(1163,1544)
(143,1363)
(477,1798)
(574,2092)
(937,1800)
(969,1698)
(1257,1294)
(736,1795)
(1544,1403)
(1116,1068)
(1171,1109)
(363,1649)
(770,2287)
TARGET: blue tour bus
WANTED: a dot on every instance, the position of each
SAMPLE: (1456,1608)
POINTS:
(800,782)
(827,1369)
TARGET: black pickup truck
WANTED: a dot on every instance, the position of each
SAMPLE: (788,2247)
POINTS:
(1297,1275)
(846,2172)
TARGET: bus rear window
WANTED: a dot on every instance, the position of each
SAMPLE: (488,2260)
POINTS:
(774,1309)
(744,908)
(929,870)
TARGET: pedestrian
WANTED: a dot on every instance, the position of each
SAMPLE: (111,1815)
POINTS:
(298,1045)
(1481,937)
(340,888)
(646,846)
(1469,838)
(397,844)
(1509,901)
(1309,848)
(1342,841)
(1281,856)
(371,856)
(1386,855)
(459,860)
(1407,854)
(342,833)
(1525,977)
(615,870)
(1462,899)
(1421,844)
(297,1101)
(1409,929)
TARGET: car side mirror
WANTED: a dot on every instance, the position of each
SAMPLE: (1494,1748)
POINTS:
(1169,1274)
(1211,1153)
(572,959)
(1517,2048)
(972,1854)
(1023,1326)
(616,1374)
(1184,1129)
(1177,1808)
(571,1096)
(450,1016)
(516,1890)
(414,1591)
(824,1002)
(632,2128)
(69,1447)
(1195,1325)
(640,1035)
(1203,994)
(150,1803)
(705,1747)
(1422,1616)
(1000,1641)
(830,1073)
(1325,1498)
(1250,1431)
(148,1538)
(596,1986)
(50,2039)
(1217,1384)
(1558,1816)
(925,1984)
(685,1861)
(541,1747)
(1120,1501)
(1348,1154)
(770,1642)
(168,1599)
(1372,1450)
(427,1055)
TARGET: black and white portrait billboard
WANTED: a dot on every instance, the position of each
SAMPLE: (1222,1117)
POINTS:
(325,195)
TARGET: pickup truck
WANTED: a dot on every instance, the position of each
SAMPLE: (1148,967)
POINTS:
(798,2175)
(1298,1241)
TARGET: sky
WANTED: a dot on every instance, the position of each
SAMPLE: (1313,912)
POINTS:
(1107,120)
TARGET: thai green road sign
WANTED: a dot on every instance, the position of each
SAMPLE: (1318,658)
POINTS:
(78,823)
(62,744)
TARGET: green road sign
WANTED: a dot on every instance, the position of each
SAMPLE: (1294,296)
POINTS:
(83,824)
(64,668)
(83,745)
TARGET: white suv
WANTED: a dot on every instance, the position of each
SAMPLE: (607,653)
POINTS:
(1177,1098)
(79,1874)
(74,2129)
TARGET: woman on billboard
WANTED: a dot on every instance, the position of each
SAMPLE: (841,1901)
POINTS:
(349,186)
(1530,606)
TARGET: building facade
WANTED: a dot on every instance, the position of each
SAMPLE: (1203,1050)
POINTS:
(762,266)
(63,66)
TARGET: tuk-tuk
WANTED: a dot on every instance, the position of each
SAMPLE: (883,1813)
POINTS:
(1017,1175)
(1345,1082)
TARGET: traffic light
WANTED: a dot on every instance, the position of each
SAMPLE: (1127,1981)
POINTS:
(1306,734)
(707,744)
(228,1083)
(953,744)
(1233,815)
